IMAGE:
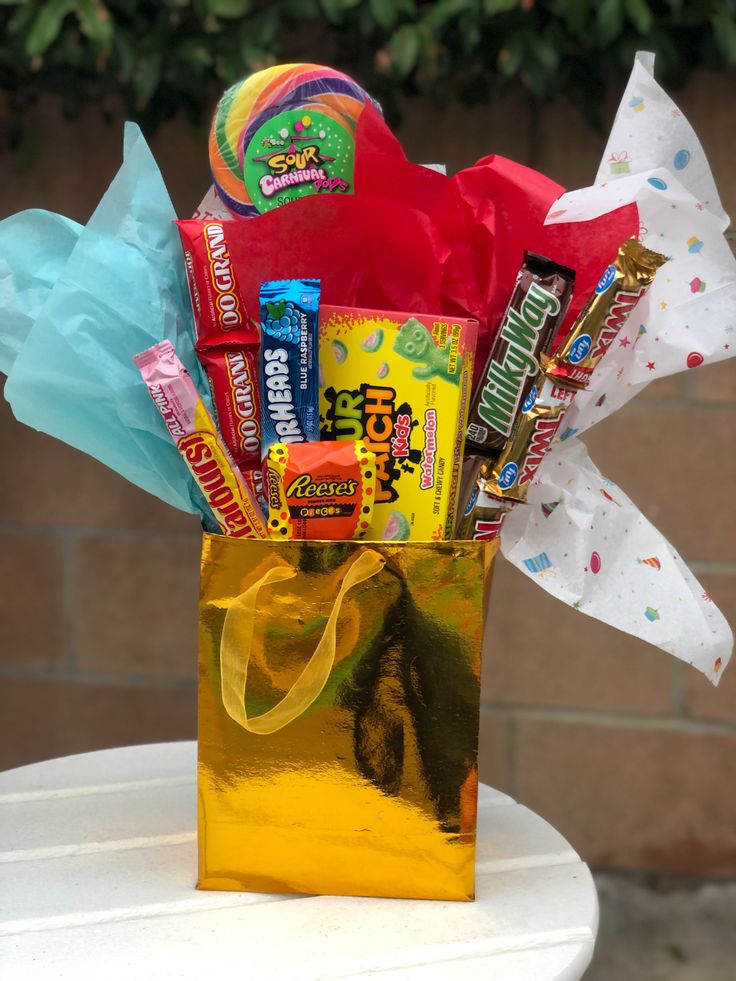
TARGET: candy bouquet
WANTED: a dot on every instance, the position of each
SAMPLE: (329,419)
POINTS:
(365,377)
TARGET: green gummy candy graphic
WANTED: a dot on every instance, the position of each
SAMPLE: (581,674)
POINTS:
(397,528)
(382,371)
(373,341)
(339,351)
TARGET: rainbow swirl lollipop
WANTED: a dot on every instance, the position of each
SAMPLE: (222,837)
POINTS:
(282,133)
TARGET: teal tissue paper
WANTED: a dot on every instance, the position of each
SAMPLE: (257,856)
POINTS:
(34,248)
(77,303)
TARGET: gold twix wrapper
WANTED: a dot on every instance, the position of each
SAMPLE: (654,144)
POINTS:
(535,430)
(482,513)
(619,289)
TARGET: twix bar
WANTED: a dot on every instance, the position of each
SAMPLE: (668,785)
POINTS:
(536,428)
(482,514)
(568,370)
(619,289)
(195,434)
(537,306)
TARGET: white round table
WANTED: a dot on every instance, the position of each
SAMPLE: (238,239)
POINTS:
(97,875)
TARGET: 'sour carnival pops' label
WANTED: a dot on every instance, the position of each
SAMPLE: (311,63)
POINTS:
(296,153)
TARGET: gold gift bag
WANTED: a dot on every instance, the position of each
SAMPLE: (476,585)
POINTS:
(339,687)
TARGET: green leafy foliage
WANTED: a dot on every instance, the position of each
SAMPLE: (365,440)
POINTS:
(162,57)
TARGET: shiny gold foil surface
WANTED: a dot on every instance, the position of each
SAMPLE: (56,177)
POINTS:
(339,687)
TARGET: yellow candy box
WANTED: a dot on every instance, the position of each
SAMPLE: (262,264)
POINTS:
(401,382)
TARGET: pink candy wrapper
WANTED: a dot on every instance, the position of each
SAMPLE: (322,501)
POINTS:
(198,440)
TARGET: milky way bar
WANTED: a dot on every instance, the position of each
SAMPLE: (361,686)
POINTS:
(538,304)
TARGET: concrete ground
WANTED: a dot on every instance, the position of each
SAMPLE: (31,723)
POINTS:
(655,929)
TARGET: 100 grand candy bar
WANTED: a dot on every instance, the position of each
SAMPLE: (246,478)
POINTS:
(227,341)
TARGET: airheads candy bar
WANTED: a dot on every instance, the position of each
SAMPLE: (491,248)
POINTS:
(227,341)
(197,439)
(482,514)
(320,490)
(620,288)
(289,384)
(401,382)
(537,307)
(535,429)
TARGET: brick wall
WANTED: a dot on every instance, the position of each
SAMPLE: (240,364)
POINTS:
(628,752)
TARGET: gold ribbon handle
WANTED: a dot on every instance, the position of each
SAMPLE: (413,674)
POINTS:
(237,638)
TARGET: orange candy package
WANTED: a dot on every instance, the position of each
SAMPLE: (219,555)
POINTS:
(321,491)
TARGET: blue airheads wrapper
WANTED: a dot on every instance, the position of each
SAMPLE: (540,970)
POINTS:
(289,369)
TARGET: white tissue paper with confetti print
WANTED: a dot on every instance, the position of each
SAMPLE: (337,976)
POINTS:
(579,536)
(584,541)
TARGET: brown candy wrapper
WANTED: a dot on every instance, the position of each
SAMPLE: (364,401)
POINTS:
(536,429)
(337,751)
(537,307)
(619,289)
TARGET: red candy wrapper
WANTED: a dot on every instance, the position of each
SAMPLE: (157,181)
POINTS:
(196,436)
(233,375)
(227,341)
(220,313)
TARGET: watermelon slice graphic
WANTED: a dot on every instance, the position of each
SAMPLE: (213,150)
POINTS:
(339,351)
(397,528)
(373,341)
